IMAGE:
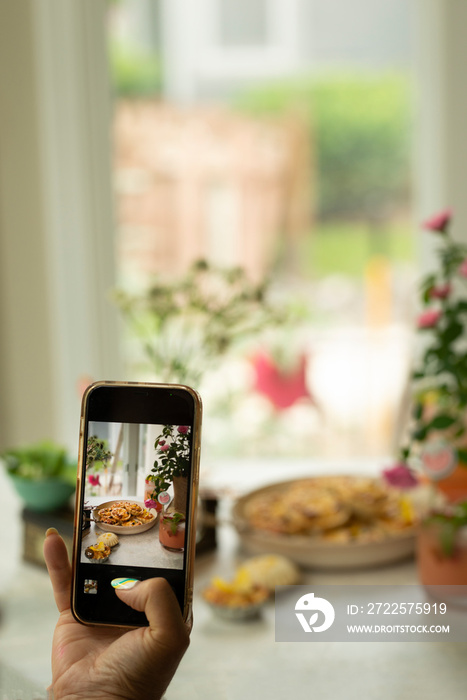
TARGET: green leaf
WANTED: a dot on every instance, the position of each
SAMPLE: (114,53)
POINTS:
(441,422)
(405,452)
(453,331)
(420,434)
(448,534)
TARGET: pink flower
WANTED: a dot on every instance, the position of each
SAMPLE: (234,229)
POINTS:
(442,291)
(164,448)
(463,269)
(400,476)
(151,503)
(94,479)
(183,429)
(438,222)
(429,319)
(161,442)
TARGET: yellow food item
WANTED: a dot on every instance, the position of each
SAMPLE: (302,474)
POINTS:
(335,508)
(99,550)
(240,592)
(99,547)
(271,570)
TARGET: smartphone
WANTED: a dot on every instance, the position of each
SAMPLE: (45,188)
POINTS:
(136,497)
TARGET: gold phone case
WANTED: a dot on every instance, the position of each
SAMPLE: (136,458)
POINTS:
(191,519)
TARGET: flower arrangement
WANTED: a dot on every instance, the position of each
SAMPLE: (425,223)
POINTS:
(440,378)
(186,325)
(172,461)
(437,434)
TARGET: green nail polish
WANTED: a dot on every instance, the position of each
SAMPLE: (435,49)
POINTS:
(124,584)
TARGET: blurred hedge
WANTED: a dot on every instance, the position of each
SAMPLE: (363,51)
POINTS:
(360,130)
(134,73)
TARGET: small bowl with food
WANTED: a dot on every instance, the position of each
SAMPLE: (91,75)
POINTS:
(98,552)
(240,599)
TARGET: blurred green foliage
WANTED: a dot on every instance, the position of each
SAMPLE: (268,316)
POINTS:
(134,73)
(340,247)
(360,131)
(44,460)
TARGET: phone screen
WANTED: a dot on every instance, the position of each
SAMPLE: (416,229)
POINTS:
(138,475)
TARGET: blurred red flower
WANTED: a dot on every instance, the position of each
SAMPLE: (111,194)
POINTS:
(429,319)
(282,388)
(438,222)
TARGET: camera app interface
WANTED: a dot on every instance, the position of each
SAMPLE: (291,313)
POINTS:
(136,495)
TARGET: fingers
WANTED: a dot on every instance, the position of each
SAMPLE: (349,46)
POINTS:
(58,565)
(157,600)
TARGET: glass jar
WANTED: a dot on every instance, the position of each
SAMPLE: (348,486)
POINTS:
(172,531)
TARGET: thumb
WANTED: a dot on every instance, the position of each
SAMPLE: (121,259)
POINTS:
(159,648)
(157,600)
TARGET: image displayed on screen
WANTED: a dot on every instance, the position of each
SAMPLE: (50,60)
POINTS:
(136,494)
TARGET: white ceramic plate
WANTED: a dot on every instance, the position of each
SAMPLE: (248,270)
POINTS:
(316,552)
(120,529)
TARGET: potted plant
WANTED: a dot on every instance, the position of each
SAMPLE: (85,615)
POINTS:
(97,459)
(437,438)
(171,467)
(442,547)
(42,474)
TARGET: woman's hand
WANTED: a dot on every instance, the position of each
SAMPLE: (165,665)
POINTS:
(106,662)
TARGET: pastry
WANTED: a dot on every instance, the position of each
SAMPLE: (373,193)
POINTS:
(271,570)
(109,538)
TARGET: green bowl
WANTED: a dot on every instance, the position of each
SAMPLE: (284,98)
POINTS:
(42,495)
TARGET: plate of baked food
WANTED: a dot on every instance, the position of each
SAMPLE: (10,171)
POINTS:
(124,517)
(328,522)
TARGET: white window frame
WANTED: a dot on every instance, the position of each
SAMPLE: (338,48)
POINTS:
(192,54)
(277,57)
(74,128)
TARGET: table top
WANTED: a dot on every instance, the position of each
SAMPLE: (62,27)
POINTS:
(228,660)
(134,548)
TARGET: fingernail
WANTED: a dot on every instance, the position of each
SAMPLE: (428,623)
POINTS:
(124,584)
(51,531)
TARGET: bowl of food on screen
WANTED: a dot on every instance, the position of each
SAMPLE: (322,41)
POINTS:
(124,517)
(98,552)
